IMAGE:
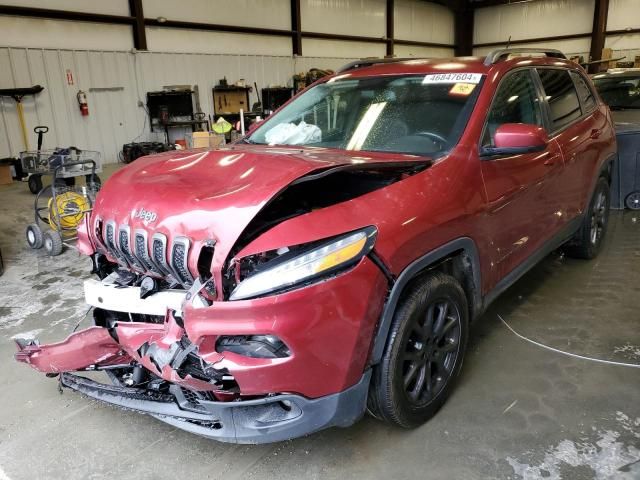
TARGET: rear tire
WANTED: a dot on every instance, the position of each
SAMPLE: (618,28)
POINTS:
(34,236)
(587,242)
(35,183)
(53,243)
(424,352)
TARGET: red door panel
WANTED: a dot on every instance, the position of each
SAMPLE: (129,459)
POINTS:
(521,210)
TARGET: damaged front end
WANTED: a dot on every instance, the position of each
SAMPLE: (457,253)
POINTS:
(155,369)
(211,314)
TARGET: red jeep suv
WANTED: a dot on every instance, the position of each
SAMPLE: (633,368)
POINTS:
(330,262)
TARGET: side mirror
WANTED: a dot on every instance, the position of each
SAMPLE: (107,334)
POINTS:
(516,139)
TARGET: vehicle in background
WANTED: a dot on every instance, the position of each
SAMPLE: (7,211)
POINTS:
(331,261)
(620,89)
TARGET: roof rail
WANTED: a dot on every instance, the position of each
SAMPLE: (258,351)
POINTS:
(367,62)
(496,55)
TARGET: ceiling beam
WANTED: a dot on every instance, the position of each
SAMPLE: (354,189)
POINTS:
(493,3)
(65,15)
(521,41)
(390,17)
(139,31)
(463,31)
(598,33)
(296,28)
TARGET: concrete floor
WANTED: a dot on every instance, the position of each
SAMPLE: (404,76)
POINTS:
(519,411)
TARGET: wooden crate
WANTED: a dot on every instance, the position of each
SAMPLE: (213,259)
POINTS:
(5,175)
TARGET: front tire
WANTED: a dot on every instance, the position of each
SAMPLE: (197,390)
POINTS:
(587,241)
(424,352)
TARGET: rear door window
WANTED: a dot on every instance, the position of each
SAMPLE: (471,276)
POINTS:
(584,92)
(561,96)
(515,102)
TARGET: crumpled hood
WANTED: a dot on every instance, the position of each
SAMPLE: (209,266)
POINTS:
(211,195)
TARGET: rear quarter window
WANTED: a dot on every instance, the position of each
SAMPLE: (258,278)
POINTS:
(561,96)
(584,93)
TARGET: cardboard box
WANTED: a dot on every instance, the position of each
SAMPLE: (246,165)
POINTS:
(5,175)
(607,53)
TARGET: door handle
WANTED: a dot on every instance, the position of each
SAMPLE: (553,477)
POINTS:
(595,133)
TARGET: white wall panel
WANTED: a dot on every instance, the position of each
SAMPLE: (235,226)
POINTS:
(349,17)
(38,33)
(624,46)
(197,41)
(623,14)
(114,117)
(109,7)
(249,13)
(423,52)
(312,47)
(422,21)
(304,64)
(538,19)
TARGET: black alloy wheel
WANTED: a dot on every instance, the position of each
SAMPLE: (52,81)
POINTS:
(599,217)
(424,352)
(430,351)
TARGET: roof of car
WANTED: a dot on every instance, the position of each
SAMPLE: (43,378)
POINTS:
(500,59)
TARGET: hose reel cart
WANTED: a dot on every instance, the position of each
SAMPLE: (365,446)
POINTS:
(44,161)
(59,209)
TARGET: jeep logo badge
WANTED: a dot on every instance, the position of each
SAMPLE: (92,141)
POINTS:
(145,215)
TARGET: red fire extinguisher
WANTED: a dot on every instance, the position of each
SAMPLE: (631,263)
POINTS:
(82,103)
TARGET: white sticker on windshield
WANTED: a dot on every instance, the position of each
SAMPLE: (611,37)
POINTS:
(452,78)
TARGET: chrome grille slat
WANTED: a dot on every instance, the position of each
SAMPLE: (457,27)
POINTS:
(124,236)
(179,260)
(110,243)
(162,259)
(141,251)
(159,253)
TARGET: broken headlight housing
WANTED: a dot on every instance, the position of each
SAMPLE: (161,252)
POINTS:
(297,268)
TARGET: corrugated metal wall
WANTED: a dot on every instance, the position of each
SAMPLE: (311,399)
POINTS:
(545,18)
(115,117)
(98,56)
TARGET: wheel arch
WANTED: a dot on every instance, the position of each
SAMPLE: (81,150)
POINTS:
(458,257)
(606,169)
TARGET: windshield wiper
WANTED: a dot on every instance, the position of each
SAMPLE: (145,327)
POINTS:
(624,107)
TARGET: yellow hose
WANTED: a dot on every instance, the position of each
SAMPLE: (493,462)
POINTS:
(68,210)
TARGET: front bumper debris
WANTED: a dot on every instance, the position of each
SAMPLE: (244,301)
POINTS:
(269,419)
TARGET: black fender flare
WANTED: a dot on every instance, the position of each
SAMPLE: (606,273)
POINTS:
(465,244)
(606,169)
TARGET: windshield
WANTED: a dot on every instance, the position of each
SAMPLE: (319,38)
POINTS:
(619,92)
(419,115)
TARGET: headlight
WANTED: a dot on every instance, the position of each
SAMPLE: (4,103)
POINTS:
(321,260)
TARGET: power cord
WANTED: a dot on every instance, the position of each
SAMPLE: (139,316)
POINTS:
(569,354)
